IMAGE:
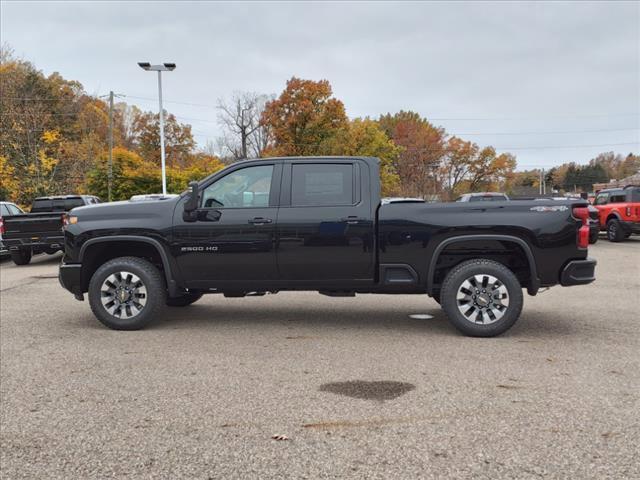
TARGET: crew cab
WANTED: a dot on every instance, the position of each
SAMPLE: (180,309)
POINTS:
(268,225)
(27,234)
(619,210)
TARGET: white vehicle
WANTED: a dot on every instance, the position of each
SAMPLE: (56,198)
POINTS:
(6,209)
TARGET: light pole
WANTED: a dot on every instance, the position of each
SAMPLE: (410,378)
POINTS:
(165,67)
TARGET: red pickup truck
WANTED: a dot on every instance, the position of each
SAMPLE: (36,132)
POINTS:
(619,210)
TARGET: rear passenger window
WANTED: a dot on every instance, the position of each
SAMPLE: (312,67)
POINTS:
(4,211)
(322,184)
(618,198)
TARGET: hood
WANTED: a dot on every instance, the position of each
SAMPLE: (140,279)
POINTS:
(128,208)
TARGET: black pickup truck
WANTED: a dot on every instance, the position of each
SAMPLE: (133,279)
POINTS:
(263,226)
(27,234)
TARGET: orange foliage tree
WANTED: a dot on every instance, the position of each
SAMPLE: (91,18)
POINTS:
(302,117)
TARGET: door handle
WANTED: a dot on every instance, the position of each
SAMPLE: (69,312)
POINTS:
(260,221)
(352,220)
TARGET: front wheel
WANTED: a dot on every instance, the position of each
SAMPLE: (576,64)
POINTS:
(22,256)
(126,293)
(481,298)
(615,233)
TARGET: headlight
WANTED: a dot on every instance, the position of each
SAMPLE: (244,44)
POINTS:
(69,220)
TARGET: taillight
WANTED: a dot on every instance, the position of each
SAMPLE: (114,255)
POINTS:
(582,213)
(1,226)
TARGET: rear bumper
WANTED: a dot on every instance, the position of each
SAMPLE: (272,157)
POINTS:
(578,272)
(633,227)
(70,277)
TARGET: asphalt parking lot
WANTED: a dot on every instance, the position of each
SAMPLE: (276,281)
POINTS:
(358,387)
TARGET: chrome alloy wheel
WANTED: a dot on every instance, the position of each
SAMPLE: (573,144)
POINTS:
(123,294)
(482,299)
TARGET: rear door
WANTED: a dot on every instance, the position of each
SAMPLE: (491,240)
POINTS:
(325,230)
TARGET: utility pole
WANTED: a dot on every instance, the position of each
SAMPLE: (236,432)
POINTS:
(110,167)
(540,183)
(544,183)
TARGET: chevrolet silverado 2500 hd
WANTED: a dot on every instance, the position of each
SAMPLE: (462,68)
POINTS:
(268,225)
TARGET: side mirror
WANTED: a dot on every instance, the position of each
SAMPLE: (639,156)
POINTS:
(191,205)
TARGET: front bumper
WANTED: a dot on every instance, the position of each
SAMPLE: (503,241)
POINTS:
(70,277)
(578,272)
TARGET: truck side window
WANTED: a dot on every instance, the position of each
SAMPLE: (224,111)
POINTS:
(245,188)
(602,199)
(13,210)
(4,211)
(322,184)
(618,198)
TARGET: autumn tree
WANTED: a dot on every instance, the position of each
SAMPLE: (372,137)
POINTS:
(134,175)
(179,142)
(244,136)
(364,137)
(302,117)
(468,168)
(423,147)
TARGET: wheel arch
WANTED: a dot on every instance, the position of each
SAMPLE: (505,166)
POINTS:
(613,215)
(533,280)
(143,247)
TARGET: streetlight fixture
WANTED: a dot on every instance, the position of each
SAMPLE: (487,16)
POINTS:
(165,67)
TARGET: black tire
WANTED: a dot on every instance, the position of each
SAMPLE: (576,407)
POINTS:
(22,256)
(152,281)
(615,232)
(593,237)
(469,324)
(184,300)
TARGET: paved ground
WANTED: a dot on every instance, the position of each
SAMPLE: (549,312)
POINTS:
(200,394)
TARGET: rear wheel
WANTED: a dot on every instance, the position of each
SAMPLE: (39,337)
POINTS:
(22,256)
(615,232)
(126,293)
(184,300)
(593,238)
(482,298)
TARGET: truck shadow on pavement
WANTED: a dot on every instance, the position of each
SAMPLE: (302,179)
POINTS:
(36,261)
(311,320)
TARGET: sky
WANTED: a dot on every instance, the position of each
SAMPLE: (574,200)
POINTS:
(549,82)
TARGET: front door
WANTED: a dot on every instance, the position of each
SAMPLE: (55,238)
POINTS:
(234,237)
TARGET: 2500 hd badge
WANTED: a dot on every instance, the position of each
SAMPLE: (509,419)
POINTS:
(209,248)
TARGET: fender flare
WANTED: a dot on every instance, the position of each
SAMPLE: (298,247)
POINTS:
(613,213)
(534,283)
(171,282)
